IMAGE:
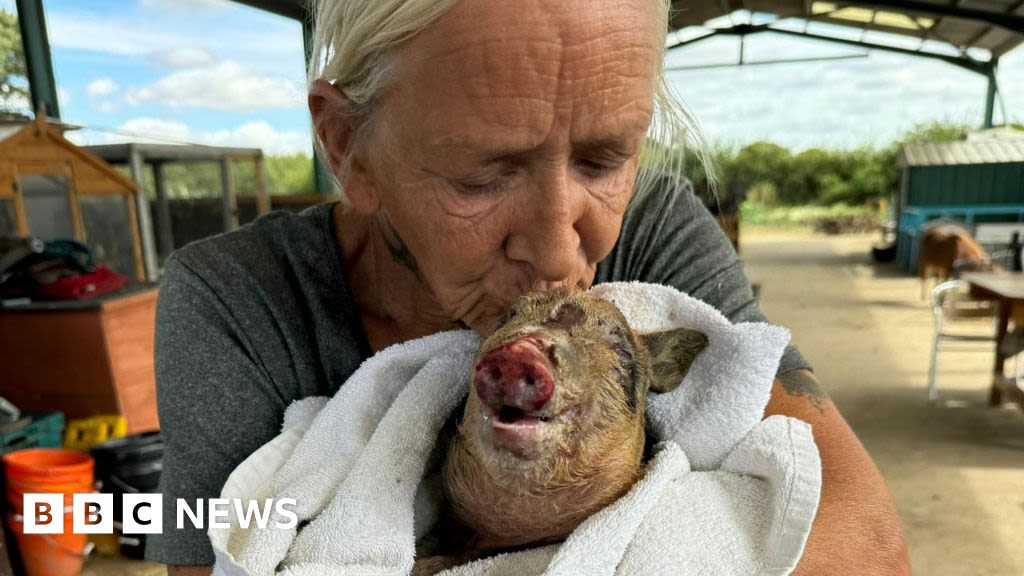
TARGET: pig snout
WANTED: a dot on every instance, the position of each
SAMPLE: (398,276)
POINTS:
(516,376)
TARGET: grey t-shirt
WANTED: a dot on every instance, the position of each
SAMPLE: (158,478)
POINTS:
(250,321)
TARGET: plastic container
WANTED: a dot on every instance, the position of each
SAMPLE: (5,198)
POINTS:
(56,471)
(44,430)
(129,465)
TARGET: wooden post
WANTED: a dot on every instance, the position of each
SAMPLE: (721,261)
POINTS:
(74,202)
(133,223)
(230,201)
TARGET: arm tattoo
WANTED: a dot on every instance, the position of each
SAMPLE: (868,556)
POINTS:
(801,383)
(397,247)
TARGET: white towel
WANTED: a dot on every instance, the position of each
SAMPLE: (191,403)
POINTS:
(726,492)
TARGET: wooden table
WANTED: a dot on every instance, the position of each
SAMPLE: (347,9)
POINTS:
(1008,290)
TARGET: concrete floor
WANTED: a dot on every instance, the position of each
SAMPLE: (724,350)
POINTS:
(956,469)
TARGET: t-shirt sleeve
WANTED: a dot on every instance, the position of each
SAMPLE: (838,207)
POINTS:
(216,404)
(669,237)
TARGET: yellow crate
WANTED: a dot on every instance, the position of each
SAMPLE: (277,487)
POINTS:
(84,433)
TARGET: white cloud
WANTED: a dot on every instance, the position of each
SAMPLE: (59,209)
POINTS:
(249,135)
(227,86)
(94,34)
(182,58)
(63,97)
(101,87)
(120,35)
(187,5)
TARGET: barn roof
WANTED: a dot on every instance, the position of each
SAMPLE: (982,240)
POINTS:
(963,152)
(995,26)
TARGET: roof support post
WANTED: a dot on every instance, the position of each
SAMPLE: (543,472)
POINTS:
(229,199)
(38,64)
(165,241)
(149,255)
(990,97)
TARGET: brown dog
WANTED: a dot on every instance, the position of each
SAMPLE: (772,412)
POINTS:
(945,250)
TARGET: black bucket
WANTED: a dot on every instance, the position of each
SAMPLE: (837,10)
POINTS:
(129,465)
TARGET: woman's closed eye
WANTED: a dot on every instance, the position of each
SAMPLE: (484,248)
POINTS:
(599,168)
(485,185)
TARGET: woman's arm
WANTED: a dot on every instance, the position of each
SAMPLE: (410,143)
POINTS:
(857,530)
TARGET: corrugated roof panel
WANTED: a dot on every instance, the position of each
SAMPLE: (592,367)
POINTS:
(985,151)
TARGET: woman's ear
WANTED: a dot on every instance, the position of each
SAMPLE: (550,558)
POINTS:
(336,132)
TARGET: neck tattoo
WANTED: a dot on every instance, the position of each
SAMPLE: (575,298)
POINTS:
(397,247)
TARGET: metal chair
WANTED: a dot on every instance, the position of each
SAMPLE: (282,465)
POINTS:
(949,303)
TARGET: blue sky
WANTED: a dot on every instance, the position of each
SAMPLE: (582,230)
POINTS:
(215,72)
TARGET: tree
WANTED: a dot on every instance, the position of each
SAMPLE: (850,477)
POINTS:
(14,94)
(936,131)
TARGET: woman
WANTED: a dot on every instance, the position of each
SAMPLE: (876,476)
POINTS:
(486,149)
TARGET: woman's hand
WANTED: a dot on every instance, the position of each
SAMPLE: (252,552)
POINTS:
(857,530)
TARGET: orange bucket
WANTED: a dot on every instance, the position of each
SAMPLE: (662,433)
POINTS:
(55,471)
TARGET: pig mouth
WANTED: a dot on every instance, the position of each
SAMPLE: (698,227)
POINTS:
(521,434)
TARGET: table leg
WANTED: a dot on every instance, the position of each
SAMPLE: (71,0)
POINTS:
(996,393)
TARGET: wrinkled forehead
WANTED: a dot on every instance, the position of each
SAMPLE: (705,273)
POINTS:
(530,64)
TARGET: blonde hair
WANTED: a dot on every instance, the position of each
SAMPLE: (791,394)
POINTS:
(351,48)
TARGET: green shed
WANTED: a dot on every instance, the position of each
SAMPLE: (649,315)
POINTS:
(977,180)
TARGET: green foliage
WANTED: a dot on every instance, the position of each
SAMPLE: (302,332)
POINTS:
(770,175)
(290,174)
(14,93)
(937,131)
(763,194)
(852,217)
(285,175)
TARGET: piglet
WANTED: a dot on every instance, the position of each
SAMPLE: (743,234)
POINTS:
(553,427)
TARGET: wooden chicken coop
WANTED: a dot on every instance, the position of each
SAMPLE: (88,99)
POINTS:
(51,188)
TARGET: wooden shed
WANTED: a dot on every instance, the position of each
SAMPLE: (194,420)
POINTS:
(50,188)
(979,180)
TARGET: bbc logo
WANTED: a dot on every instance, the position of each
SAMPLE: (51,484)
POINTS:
(93,514)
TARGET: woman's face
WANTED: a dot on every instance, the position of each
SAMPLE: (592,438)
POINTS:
(504,153)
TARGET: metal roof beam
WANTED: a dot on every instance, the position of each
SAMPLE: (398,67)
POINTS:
(1005,20)
(38,63)
(294,9)
(744,29)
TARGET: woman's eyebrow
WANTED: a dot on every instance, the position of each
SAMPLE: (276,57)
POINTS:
(481,152)
(487,153)
(614,144)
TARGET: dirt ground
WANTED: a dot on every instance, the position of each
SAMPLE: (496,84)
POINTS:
(956,468)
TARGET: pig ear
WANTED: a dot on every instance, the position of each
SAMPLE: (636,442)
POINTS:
(672,353)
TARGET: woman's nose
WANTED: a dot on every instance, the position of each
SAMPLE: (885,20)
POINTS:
(545,235)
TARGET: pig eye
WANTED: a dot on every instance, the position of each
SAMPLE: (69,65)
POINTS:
(621,346)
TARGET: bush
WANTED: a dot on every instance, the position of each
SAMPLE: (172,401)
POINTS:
(830,219)
(767,174)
